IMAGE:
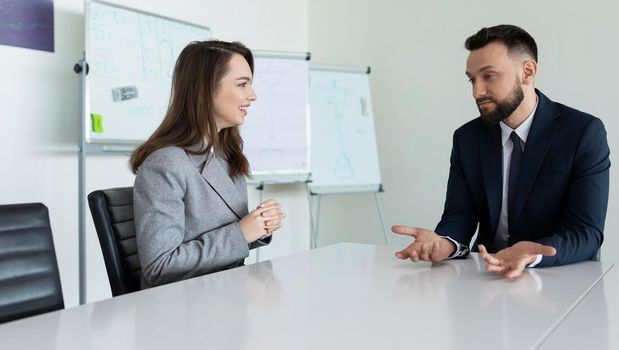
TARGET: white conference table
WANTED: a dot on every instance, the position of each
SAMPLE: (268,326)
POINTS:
(344,296)
(591,325)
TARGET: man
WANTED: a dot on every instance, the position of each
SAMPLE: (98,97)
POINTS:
(532,173)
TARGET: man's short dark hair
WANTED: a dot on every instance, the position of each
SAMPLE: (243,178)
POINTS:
(515,38)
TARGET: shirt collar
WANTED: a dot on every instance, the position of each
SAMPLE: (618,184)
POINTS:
(522,131)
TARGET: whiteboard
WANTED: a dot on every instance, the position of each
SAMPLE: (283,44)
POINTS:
(276,137)
(344,153)
(131,54)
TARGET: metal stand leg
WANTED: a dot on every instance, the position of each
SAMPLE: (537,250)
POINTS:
(81,202)
(82,69)
(260,192)
(317,224)
(313,226)
(382,219)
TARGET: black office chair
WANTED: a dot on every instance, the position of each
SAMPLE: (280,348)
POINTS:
(29,277)
(112,213)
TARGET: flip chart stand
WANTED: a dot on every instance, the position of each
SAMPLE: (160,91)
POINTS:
(314,211)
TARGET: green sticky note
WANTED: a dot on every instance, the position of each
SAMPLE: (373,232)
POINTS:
(97,122)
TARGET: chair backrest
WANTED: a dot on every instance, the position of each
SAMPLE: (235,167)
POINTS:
(29,277)
(112,213)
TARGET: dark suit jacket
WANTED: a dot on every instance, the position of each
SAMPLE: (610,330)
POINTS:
(562,192)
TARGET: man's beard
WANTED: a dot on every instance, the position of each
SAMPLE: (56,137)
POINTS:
(503,108)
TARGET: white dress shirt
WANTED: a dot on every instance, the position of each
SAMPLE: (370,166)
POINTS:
(503,230)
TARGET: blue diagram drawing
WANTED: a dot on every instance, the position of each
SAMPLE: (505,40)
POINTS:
(340,95)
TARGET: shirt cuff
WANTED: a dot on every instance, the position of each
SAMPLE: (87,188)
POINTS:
(537,260)
(461,250)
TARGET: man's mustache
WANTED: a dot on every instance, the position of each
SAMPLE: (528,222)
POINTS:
(484,99)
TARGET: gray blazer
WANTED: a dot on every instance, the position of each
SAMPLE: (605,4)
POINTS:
(187,213)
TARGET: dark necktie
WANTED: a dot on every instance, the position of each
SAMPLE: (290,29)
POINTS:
(514,173)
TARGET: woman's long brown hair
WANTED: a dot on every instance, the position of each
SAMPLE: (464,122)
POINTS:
(189,118)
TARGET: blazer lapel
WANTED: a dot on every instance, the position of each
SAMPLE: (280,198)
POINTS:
(546,122)
(491,155)
(215,172)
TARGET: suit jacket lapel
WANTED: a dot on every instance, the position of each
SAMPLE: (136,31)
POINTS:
(491,155)
(546,122)
(215,172)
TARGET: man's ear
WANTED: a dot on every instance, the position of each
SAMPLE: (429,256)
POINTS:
(529,68)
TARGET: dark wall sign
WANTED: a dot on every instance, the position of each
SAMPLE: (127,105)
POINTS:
(27,23)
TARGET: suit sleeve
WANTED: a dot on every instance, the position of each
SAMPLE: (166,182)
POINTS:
(160,228)
(260,242)
(460,218)
(581,232)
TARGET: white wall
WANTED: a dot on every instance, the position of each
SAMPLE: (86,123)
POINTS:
(39,128)
(421,95)
(419,89)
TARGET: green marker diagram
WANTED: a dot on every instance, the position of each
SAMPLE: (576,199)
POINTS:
(339,96)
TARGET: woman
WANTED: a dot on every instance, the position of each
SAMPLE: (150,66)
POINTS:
(190,197)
